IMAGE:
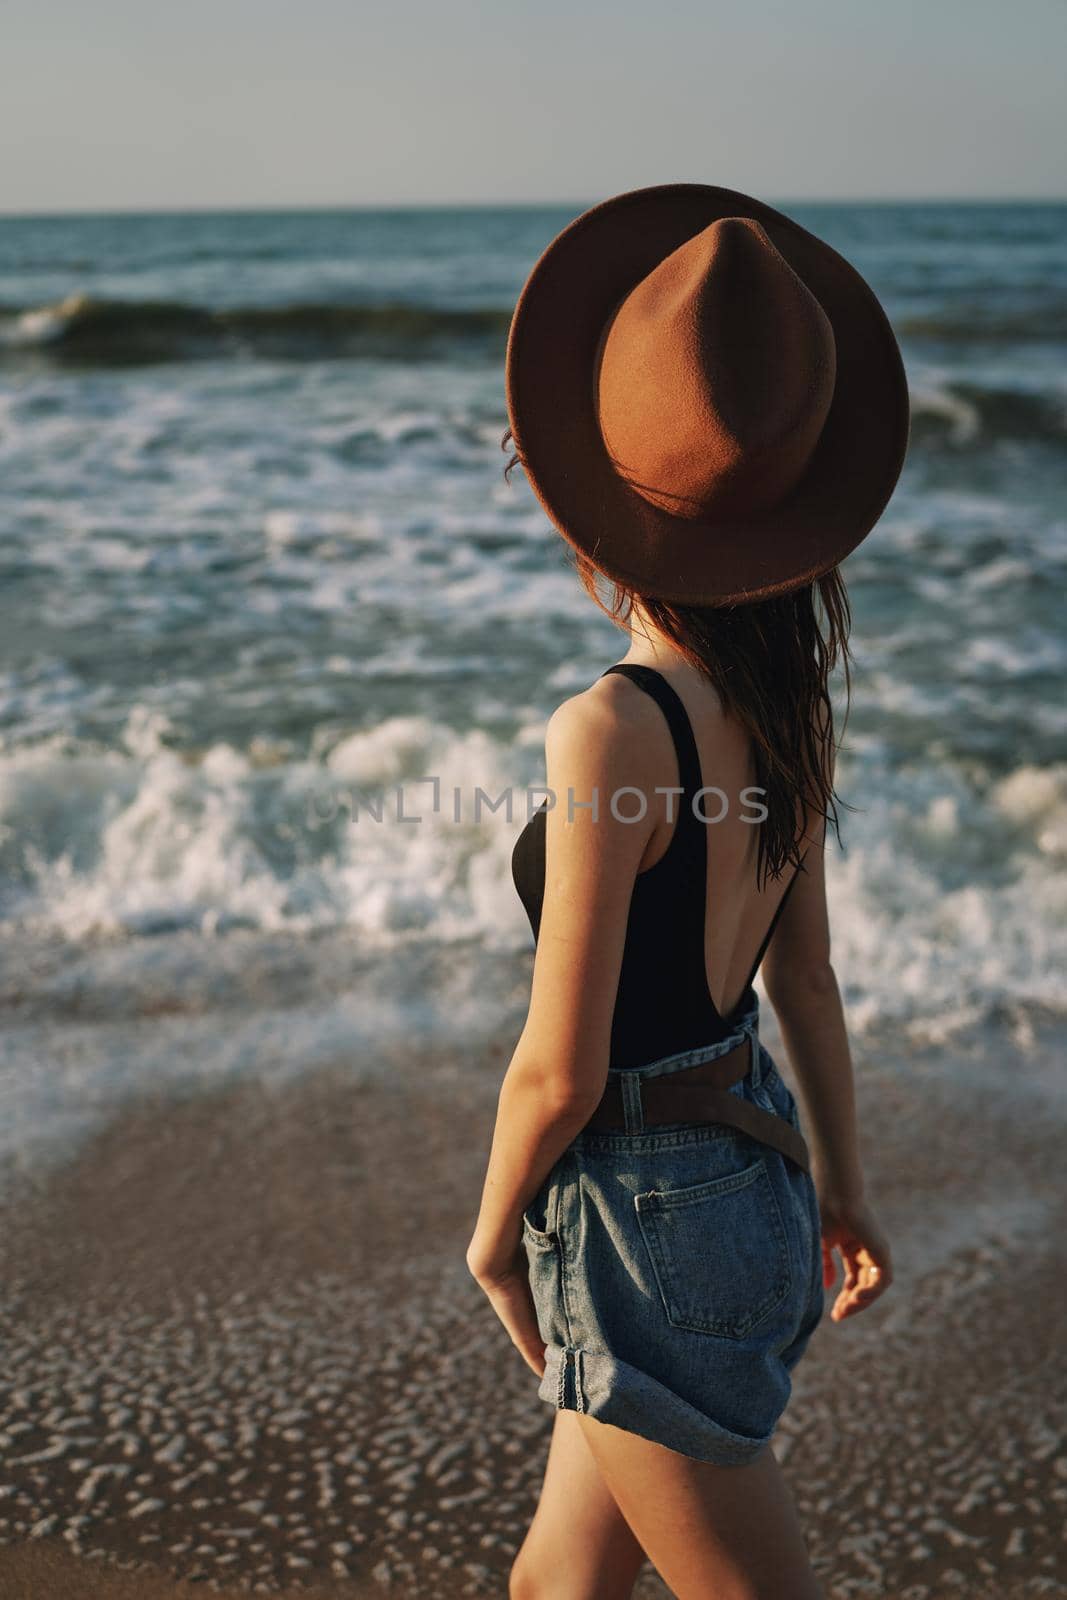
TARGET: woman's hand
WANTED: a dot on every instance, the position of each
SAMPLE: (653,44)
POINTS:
(507,1285)
(849,1227)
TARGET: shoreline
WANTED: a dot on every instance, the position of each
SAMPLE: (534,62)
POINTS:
(245,1349)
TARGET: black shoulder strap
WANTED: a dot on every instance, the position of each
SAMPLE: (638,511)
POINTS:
(681,729)
(774,923)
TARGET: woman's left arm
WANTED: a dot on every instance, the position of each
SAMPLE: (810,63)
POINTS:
(559,1067)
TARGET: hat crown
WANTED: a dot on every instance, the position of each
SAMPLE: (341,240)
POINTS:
(715,376)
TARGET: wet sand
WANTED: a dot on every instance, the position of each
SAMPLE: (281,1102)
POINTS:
(241,1347)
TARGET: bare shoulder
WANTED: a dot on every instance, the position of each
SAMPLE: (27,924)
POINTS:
(610,718)
(610,736)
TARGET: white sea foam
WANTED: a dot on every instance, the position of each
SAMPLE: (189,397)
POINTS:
(934,396)
(949,902)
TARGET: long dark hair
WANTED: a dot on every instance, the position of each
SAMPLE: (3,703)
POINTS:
(770,662)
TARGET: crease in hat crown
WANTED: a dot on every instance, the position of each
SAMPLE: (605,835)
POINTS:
(714,376)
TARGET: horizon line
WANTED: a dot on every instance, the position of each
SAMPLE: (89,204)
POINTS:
(511,204)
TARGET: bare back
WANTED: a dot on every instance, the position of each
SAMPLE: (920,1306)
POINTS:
(737,914)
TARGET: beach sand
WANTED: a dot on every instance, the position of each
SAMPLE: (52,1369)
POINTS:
(241,1346)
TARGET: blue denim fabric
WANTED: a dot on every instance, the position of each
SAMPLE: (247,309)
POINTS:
(677,1271)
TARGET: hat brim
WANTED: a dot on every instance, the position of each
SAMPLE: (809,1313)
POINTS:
(567,300)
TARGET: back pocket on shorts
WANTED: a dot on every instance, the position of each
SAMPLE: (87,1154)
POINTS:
(718,1250)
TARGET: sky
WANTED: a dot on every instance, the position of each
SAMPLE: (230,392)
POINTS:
(133,105)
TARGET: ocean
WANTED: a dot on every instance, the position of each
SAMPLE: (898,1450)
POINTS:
(263,578)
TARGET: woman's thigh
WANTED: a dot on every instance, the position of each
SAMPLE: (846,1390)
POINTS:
(713,1533)
(579,1545)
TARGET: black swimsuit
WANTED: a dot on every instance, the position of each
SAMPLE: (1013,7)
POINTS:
(663,1004)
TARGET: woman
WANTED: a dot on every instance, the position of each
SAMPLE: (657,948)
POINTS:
(710,405)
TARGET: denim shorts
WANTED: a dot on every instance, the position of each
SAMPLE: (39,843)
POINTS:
(677,1272)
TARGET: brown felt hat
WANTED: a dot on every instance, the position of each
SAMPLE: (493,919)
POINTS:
(707,399)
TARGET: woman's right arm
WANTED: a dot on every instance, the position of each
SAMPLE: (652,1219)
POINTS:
(802,987)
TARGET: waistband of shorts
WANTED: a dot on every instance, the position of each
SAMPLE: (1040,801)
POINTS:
(746,1027)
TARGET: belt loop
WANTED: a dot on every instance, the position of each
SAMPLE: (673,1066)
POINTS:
(757,1064)
(632,1111)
